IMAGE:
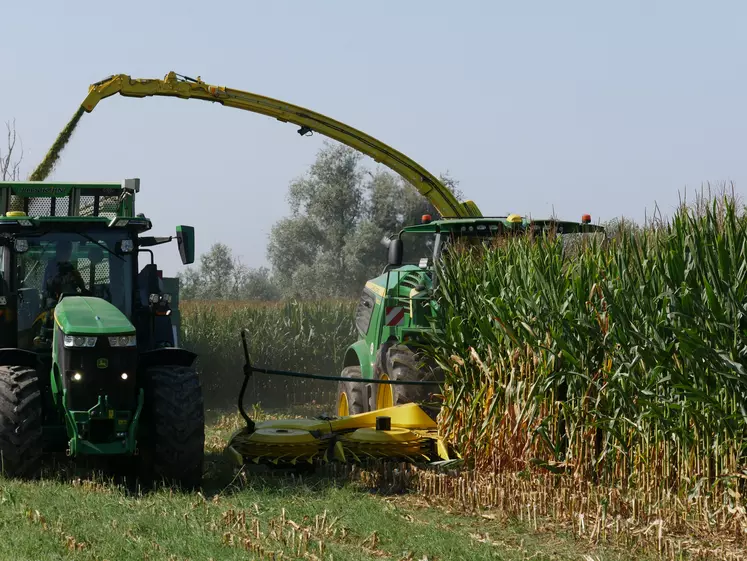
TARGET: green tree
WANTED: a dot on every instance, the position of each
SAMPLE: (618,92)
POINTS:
(393,202)
(340,211)
(221,276)
(258,284)
(307,249)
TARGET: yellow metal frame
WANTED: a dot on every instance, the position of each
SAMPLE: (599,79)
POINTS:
(174,85)
(384,395)
(343,408)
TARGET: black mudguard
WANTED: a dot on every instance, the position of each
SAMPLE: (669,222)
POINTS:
(19,357)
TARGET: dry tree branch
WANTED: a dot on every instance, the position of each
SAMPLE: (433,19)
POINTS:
(10,161)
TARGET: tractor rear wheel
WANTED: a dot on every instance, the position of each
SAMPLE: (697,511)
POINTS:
(351,398)
(405,364)
(173,426)
(20,422)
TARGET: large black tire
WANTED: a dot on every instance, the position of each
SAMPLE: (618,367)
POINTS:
(172,443)
(403,363)
(20,422)
(354,393)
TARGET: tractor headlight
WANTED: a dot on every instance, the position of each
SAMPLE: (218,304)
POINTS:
(166,297)
(123,341)
(127,246)
(154,298)
(79,341)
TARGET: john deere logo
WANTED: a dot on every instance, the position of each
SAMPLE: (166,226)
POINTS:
(102,363)
(49,191)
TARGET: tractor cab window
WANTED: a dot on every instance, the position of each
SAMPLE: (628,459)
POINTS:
(72,263)
(416,246)
(364,311)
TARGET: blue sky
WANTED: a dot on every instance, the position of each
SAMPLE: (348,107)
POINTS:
(581,107)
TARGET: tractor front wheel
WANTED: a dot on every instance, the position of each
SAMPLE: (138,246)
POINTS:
(172,443)
(20,422)
(351,395)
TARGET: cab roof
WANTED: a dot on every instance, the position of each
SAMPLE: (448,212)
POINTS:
(505,222)
(28,205)
(37,199)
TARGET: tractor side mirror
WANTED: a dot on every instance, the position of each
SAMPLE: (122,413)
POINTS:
(185,238)
(395,252)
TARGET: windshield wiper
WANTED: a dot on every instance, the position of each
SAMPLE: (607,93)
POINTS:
(102,246)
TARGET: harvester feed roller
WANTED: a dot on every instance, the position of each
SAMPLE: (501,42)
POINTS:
(397,443)
(278,445)
(412,437)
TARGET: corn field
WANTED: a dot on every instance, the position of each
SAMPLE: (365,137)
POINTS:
(622,364)
(301,336)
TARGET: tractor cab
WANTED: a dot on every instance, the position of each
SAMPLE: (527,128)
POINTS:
(58,241)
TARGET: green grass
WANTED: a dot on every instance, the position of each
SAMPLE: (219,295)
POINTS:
(59,521)
(85,517)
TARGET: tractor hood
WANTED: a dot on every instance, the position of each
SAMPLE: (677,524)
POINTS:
(86,315)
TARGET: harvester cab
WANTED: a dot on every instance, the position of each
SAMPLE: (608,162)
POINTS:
(88,355)
(397,309)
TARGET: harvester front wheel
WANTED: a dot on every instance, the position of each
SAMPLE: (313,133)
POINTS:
(405,364)
(20,422)
(351,395)
(172,444)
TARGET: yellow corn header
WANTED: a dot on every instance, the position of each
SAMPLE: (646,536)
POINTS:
(402,433)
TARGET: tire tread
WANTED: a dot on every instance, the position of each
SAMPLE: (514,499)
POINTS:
(21,445)
(175,424)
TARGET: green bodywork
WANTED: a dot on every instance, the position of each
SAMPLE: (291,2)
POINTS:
(126,422)
(388,292)
(398,305)
(88,316)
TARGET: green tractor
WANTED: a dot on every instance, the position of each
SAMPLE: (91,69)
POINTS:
(89,357)
(397,309)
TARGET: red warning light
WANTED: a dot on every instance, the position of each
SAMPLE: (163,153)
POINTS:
(586,218)
(426,218)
